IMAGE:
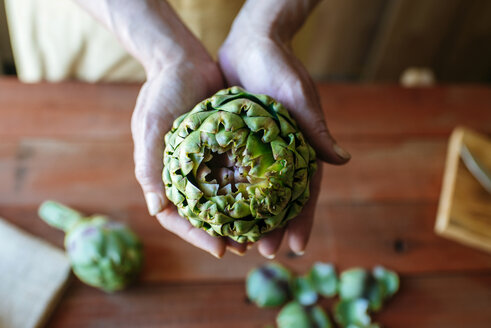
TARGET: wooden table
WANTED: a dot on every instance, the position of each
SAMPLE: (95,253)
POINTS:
(71,142)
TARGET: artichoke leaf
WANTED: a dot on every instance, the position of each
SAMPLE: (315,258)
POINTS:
(266,124)
(300,182)
(239,209)
(229,121)
(191,191)
(179,182)
(174,195)
(274,220)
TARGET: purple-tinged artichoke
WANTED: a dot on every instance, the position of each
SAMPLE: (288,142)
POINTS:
(103,253)
(375,286)
(296,315)
(269,285)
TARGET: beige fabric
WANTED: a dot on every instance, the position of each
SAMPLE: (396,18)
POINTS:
(55,39)
(32,276)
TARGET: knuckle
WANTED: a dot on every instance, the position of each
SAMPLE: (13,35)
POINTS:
(319,127)
(143,175)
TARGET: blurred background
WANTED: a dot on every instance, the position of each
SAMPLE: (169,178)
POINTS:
(344,40)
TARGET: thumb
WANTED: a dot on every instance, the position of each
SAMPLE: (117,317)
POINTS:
(148,137)
(304,105)
(326,147)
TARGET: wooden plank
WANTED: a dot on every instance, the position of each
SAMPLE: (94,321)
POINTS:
(384,111)
(8,172)
(399,236)
(441,301)
(99,172)
(75,172)
(450,301)
(411,35)
(465,54)
(80,110)
(74,109)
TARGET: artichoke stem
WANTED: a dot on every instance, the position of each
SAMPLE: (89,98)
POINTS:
(59,216)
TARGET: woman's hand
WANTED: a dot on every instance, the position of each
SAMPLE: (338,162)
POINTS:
(170,91)
(180,73)
(257,55)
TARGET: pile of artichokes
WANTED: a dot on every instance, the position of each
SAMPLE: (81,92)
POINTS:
(360,293)
(237,165)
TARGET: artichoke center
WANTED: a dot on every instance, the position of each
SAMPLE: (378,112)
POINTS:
(223,169)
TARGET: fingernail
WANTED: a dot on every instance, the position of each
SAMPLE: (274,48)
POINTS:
(269,256)
(249,245)
(235,251)
(154,203)
(341,152)
(299,253)
(216,255)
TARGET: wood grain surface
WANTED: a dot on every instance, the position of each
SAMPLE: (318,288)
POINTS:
(71,142)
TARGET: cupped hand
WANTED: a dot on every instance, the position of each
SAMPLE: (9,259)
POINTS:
(171,90)
(267,65)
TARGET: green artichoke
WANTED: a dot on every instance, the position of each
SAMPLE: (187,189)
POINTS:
(304,291)
(376,286)
(295,315)
(353,314)
(237,165)
(324,279)
(269,285)
(103,253)
(388,279)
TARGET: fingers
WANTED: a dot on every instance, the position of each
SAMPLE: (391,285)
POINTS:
(269,244)
(235,247)
(172,221)
(148,136)
(300,227)
(327,149)
(300,96)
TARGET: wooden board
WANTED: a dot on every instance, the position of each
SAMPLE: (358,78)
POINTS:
(464,212)
(72,142)
(366,112)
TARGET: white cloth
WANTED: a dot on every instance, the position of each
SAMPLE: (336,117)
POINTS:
(32,276)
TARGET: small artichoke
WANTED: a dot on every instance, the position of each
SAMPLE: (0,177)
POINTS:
(269,285)
(375,287)
(295,315)
(103,253)
(304,291)
(353,314)
(237,165)
(324,279)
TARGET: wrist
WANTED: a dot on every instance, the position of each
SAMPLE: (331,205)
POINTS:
(164,42)
(158,57)
(278,20)
(149,30)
